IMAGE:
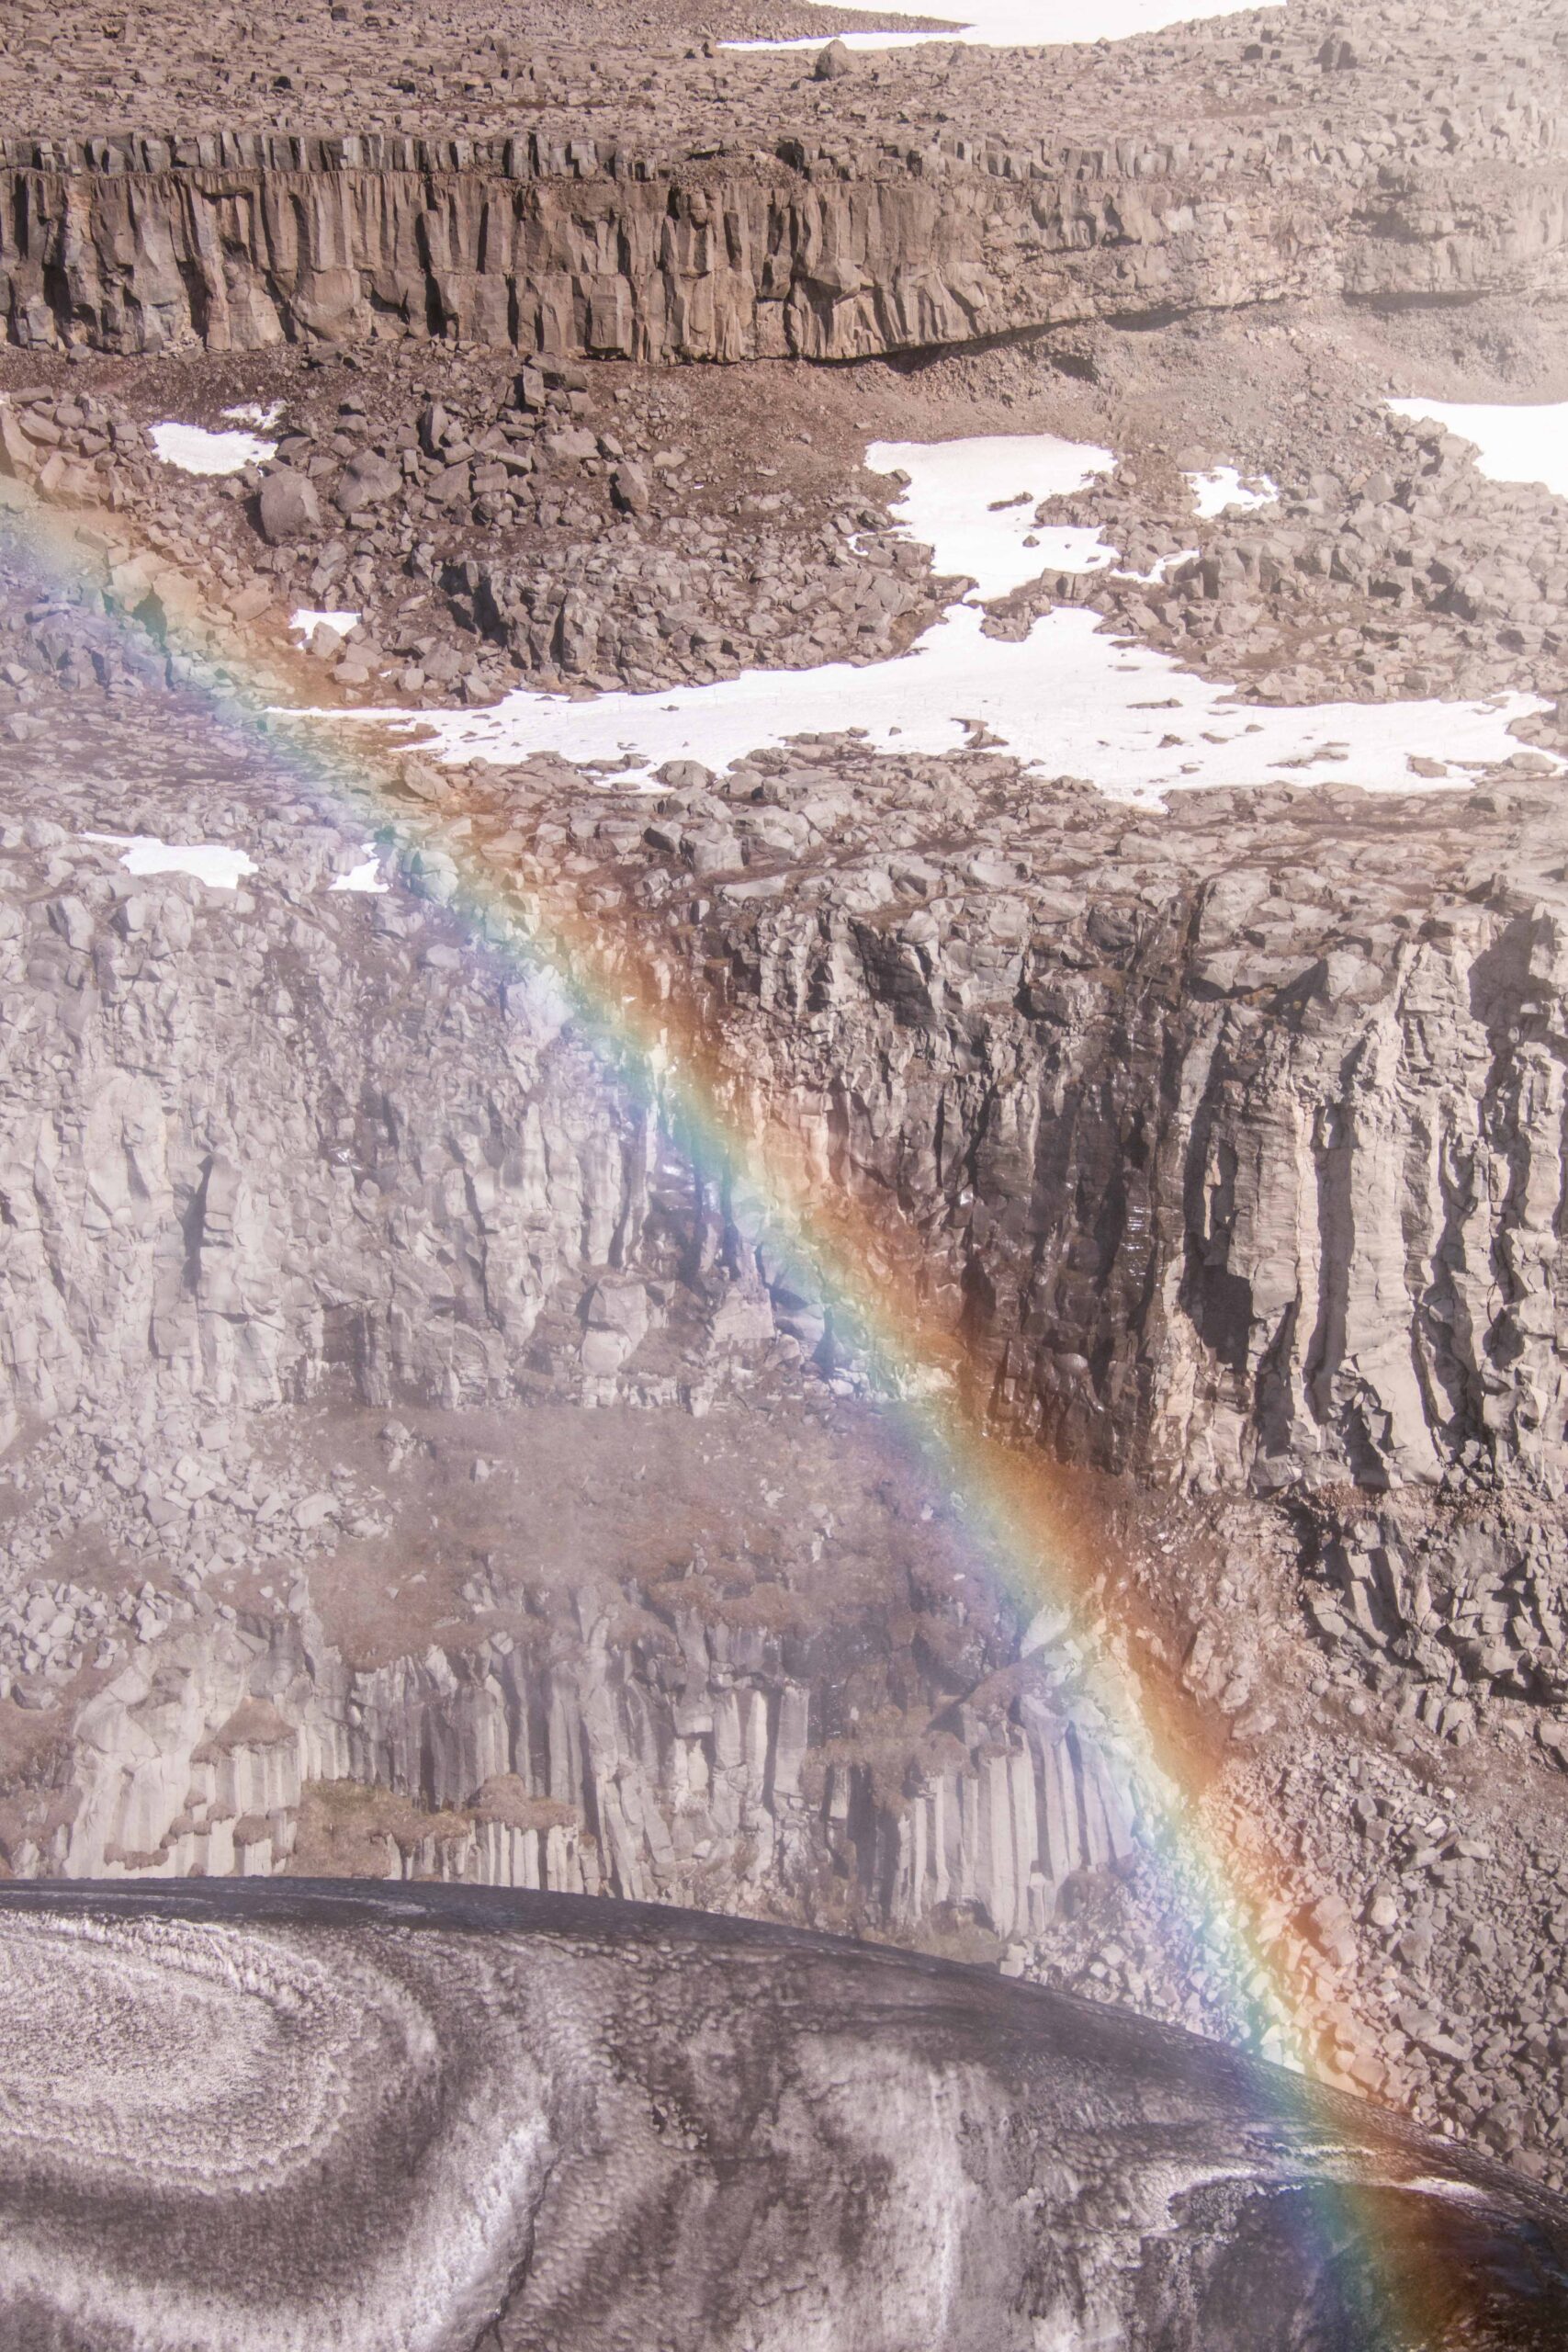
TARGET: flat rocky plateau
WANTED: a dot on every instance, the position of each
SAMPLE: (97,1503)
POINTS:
(648,1252)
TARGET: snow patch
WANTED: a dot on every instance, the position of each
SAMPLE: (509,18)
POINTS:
(1066,700)
(252,412)
(973,503)
(221,868)
(1022,24)
(1160,566)
(365,877)
(195,451)
(1512,443)
(1223,491)
(306,623)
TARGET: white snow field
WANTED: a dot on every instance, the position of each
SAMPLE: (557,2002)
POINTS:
(1067,700)
(1512,443)
(195,451)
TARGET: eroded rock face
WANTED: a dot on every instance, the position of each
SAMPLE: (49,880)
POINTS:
(781,264)
(553,2123)
(912,205)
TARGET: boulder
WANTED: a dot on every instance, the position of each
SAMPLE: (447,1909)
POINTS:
(288,507)
(367,481)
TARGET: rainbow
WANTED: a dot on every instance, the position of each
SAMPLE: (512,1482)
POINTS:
(1026,1531)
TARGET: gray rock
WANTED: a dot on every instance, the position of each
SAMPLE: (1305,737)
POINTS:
(367,481)
(288,507)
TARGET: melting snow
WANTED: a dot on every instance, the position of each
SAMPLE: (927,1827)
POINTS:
(1223,491)
(307,622)
(1022,24)
(220,867)
(1069,699)
(955,485)
(1512,443)
(252,412)
(197,451)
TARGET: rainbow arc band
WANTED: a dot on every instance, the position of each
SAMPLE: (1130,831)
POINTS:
(1028,1528)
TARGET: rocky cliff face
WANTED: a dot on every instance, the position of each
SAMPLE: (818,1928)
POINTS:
(1224,1179)
(1240,1177)
(186,1250)
(662,209)
(787,257)
(697,1772)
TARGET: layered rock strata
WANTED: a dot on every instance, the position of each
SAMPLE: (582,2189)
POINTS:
(613,259)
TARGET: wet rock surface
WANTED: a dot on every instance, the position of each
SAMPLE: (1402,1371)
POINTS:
(510,2089)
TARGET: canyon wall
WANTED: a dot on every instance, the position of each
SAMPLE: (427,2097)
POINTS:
(1240,1213)
(1220,1187)
(568,248)
(702,1777)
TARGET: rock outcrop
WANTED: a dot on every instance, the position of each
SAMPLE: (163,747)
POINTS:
(124,251)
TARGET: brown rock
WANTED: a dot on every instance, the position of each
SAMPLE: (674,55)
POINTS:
(288,507)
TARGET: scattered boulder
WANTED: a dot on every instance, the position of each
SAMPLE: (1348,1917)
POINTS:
(288,507)
(367,480)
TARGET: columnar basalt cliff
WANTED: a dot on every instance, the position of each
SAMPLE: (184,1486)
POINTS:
(835,1325)
(648,212)
(805,252)
(699,1770)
